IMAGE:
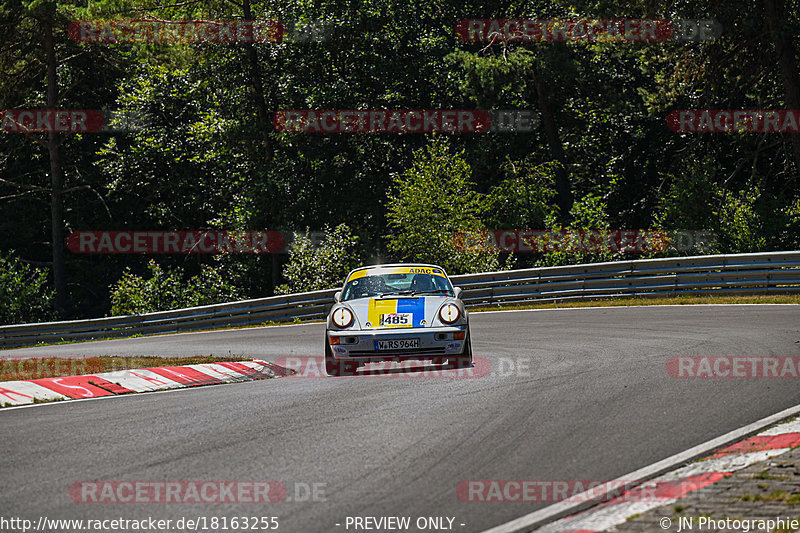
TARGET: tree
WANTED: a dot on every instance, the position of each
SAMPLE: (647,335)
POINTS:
(169,289)
(24,295)
(314,267)
(40,67)
(433,203)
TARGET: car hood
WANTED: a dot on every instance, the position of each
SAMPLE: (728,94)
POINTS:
(422,310)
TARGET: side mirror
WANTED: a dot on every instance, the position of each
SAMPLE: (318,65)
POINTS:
(338,296)
(458,291)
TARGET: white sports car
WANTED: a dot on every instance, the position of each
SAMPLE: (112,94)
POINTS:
(397,312)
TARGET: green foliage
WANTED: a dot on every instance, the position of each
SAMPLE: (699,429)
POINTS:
(434,201)
(743,220)
(316,267)
(524,200)
(590,212)
(741,225)
(587,213)
(167,289)
(24,295)
(689,202)
(199,161)
(182,148)
(494,81)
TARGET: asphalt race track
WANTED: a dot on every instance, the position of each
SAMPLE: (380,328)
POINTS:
(588,398)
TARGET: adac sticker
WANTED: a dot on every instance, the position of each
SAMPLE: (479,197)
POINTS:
(396,270)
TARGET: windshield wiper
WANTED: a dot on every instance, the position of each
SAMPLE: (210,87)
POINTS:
(381,295)
(432,291)
(413,293)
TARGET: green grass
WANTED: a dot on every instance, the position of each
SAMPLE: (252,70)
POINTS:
(3,405)
(765,475)
(774,496)
(43,400)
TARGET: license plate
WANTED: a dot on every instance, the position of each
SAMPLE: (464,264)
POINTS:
(397,320)
(397,344)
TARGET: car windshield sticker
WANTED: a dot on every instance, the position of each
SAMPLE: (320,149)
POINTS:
(384,312)
(396,270)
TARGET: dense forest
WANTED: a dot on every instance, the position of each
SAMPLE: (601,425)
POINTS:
(191,141)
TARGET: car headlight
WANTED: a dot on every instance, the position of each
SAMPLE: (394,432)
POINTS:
(342,317)
(449,313)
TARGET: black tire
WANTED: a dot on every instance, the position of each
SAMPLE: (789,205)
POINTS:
(337,368)
(464,360)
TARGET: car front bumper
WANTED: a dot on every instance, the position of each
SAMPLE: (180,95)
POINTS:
(360,345)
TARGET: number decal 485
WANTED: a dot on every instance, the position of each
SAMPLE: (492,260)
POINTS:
(397,320)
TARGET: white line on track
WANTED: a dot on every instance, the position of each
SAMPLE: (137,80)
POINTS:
(584,501)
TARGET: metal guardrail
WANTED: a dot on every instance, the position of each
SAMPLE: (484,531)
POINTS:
(759,273)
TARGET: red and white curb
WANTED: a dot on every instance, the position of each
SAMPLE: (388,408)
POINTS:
(669,479)
(130,381)
(668,488)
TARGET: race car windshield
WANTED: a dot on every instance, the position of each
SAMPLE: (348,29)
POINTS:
(396,284)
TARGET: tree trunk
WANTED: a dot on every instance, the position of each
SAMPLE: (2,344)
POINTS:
(56,176)
(782,37)
(563,192)
(263,122)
